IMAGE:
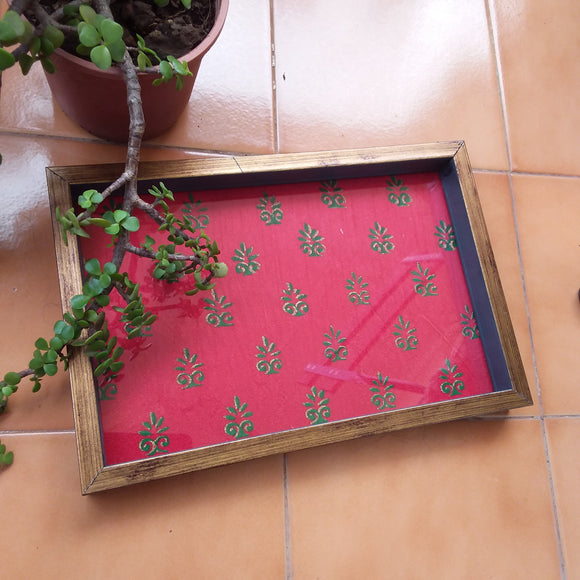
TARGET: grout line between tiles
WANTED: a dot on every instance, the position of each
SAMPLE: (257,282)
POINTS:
(274,83)
(524,173)
(492,27)
(554,500)
(542,416)
(17,433)
(289,575)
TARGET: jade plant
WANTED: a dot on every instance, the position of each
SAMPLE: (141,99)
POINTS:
(30,31)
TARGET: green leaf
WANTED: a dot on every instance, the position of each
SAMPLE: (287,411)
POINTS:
(56,343)
(6,59)
(131,224)
(119,215)
(15,22)
(101,57)
(93,267)
(117,50)
(112,31)
(47,65)
(113,229)
(54,35)
(101,369)
(92,288)
(140,42)
(67,333)
(99,222)
(186,4)
(79,314)
(83,50)
(12,378)
(79,301)
(103,300)
(50,356)
(143,61)
(166,70)
(41,343)
(109,268)
(36,363)
(105,280)
(50,369)
(87,13)
(180,67)
(117,366)
(46,47)
(7,34)
(89,36)
(8,458)
(25,61)
(92,316)
(117,353)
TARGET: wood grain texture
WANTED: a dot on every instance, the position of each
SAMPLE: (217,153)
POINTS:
(95,476)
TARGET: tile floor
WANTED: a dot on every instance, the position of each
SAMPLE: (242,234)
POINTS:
(494,498)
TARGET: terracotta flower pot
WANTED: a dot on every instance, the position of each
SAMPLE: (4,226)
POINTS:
(97,99)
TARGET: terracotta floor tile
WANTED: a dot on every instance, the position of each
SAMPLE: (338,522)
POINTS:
(27,106)
(360,75)
(221,523)
(496,201)
(462,500)
(538,43)
(230,108)
(548,215)
(29,283)
(563,437)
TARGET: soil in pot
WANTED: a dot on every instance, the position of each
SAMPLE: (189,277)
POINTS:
(168,30)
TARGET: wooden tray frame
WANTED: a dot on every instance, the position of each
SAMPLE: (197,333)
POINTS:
(452,163)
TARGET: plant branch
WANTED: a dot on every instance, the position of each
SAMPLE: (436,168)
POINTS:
(144,253)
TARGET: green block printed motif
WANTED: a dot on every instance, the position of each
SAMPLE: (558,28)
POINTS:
(294,301)
(218,314)
(470,328)
(381,240)
(331,194)
(382,396)
(335,349)
(269,362)
(246,262)
(190,373)
(239,425)
(405,335)
(358,293)
(153,441)
(270,210)
(398,193)
(451,385)
(108,390)
(446,237)
(196,213)
(311,241)
(317,409)
(424,286)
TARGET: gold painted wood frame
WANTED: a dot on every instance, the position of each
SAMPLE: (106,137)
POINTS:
(449,160)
